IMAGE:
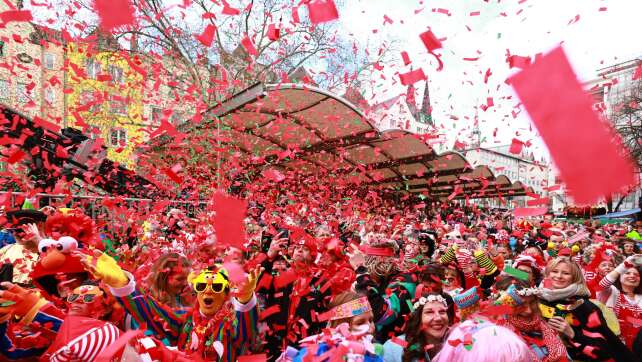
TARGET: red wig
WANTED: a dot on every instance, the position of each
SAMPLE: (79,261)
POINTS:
(72,223)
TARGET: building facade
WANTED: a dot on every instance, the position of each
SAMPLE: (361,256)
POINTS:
(523,168)
(94,84)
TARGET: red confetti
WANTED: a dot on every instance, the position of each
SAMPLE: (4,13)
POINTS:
(638,72)
(235,272)
(269,311)
(15,15)
(252,358)
(114,13)
(207,36)
(516,61)
(228,221)
(430,41)
(285,278)
(529,211)
(273,33)
(405,57)
(516,146)
(16,156)
(559,106)
(400,342)
(540,201)
(249,46)
(228,10)
(322,11)
(412,77)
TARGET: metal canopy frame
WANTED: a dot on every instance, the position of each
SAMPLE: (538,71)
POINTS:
(327,131)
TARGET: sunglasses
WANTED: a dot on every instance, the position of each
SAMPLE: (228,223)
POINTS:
(86,298)
(215,287)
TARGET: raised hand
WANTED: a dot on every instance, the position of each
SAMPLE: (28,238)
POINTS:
(356,256)
(15,300)
(246,290)
(104,267)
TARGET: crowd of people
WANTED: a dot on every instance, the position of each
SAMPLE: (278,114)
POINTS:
(320,276)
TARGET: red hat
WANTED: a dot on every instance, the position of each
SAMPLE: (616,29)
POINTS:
(300,237)
(528,260)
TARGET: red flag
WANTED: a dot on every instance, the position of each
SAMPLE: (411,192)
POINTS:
(228,221)
(585,149)
(321,11)
(430,41)
(412,77)
(516,147)
(114,13)
(249,46)
(207,36)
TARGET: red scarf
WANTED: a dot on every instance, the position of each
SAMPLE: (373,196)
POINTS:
(208,328)
(550,339)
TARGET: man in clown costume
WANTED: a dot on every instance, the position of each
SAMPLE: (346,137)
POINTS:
(219,328)
(78,335)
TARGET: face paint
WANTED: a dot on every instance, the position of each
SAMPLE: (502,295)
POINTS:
(212,290)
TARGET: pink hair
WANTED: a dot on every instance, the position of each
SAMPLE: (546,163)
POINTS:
(490,343)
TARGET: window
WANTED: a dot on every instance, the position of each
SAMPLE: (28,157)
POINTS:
(87,97)
(116,74)
(49,96)
(118,137)
(50,61)
(4,89)
(157,115)
(21,93)
(118,105)
(93,68)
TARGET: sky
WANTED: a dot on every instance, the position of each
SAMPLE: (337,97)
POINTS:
(593,33)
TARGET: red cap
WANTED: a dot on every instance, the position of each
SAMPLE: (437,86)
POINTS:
(303,238)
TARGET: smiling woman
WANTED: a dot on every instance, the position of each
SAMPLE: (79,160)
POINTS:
(565,305)
(423,334)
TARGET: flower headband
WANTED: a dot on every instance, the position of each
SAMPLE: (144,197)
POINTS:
(430,299)
(349,309)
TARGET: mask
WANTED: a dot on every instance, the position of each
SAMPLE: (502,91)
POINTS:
(211,289)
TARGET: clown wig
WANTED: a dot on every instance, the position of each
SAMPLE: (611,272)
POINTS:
(74,223)
(479,340)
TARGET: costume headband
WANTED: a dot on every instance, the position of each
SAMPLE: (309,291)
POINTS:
(349,309)
(430,299)
(378,250)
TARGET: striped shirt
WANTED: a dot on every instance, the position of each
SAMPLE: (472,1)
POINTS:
(88,345)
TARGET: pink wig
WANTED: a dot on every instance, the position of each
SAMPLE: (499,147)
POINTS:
(478,340)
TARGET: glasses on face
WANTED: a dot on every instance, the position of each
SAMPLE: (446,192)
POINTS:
(85,298)
(214,287)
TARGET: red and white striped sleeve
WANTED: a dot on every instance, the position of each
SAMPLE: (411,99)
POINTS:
(88,346)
